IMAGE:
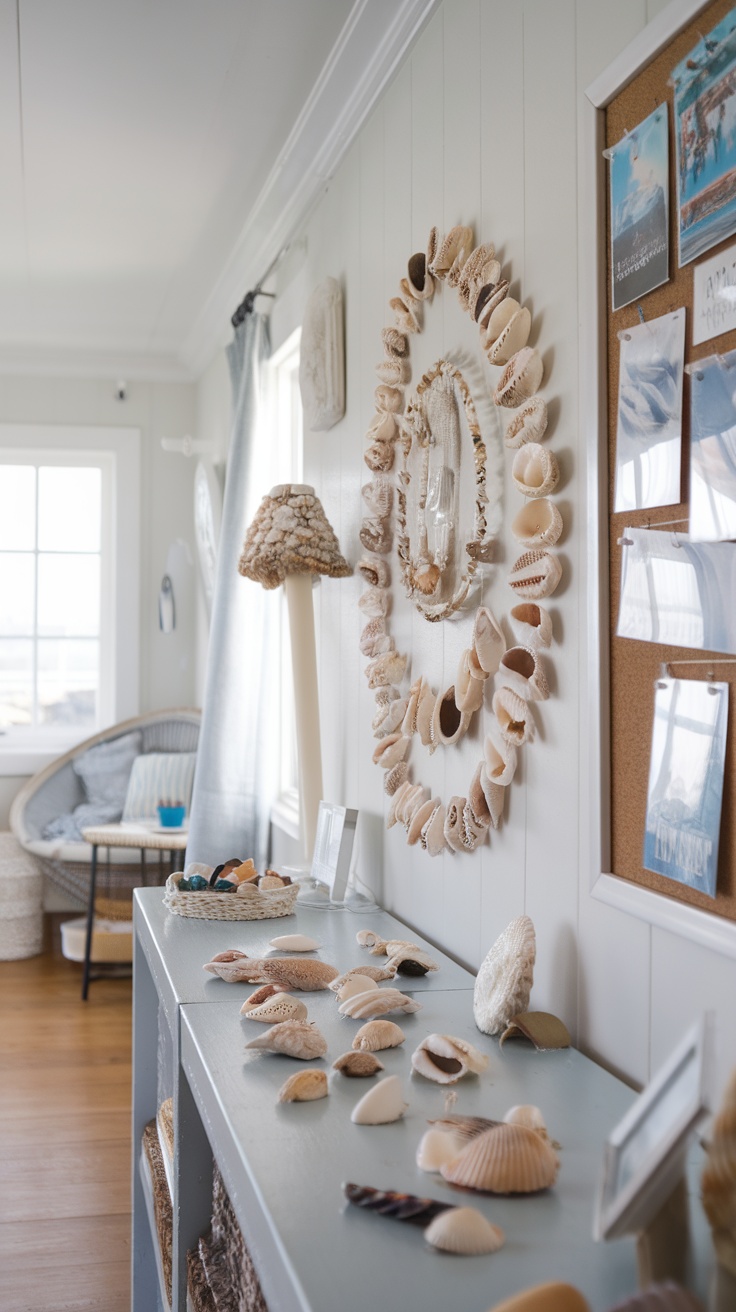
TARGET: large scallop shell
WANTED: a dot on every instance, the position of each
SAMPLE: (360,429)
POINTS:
(378,1002)
(445,1059)
(381,1104)
(304,1086)
(464,1128)
(520,379)
(464,1230)
(279,1007)
(554,1296)
(535,470)
(377,1035)
(294,1038)
(358,1065)
(290,973)
(504,981)
(508,1159)
(719,1180)
(399,1207)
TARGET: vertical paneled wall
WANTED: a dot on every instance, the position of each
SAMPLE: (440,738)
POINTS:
(480,127)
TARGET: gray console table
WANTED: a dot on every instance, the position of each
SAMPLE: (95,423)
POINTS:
(284,1165)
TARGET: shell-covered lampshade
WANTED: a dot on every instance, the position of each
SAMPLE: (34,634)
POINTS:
(291,534)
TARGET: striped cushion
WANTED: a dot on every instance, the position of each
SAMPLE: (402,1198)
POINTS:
(158,777)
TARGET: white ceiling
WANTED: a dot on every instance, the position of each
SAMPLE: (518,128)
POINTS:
(138,140)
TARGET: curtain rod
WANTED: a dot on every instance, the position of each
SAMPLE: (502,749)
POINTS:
(247,304)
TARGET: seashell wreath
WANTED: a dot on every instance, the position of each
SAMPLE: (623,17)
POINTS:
(441,719)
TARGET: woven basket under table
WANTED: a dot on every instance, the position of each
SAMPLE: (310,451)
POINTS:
(250,904)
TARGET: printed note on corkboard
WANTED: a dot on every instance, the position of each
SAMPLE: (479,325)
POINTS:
(636,665)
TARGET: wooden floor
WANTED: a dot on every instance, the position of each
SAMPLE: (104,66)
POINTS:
(65,1079)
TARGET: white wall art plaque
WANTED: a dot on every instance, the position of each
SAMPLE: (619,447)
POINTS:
(686,782)
(714,296)
(713,449)
(649,427)
(676,591)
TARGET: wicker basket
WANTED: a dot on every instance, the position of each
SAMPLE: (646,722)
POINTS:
(251,904)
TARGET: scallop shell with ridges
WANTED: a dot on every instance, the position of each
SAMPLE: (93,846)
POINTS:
(278,1008)
(374,973)
(512,337)
(377,1035)
(535,470)
(464,1230)
(666,1296)
(504,981)
(464,1128)
(304,1086)
(381,1104)
(293,1038)
(529,1115)
(718,1184)
(290,973)
(513,717)
(378,1002)
(436,1148)
(508,1159)
(358,1065)
(535,575)
(529,424)
(293,943)
(355,984)
(446,1059)
(538,523)
(521,378)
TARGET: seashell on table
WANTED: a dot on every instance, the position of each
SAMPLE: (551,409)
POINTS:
(304,1086)
(508,1159)
(293,943)
(368,972)
(446,1059)
(354,984)
(377,1035)
(552,1296)
(436,1148)
(307,974)
(279,1007)
(358,1065)
(397,1206)
(505,978)
(412,961)
(464,1230)
(378,1002)
(382,1104)
(293,1038)
(544,1030)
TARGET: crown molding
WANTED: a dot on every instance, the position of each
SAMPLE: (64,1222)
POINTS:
(86,362)
(372,44)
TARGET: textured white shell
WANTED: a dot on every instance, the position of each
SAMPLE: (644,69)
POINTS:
(522,669)
(436,1147)
(504,981)
(512,337)
(520,379)
(355,984)
(278,1008)
(368,972)
(464,1230)
(535,575)
(379,1002)
(535,470)
(489,643)
(293,943)
(529,424)
(384,1102)
(508,1159)
(532,624)
(538,523)
(304,1086)
(294,1038)
(377,1035)
(501,758)
(445,1059)
(513,717)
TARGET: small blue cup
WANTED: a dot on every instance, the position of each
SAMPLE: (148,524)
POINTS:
(172,817)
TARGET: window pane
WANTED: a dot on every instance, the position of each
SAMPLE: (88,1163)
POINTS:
(68,682)
(16,594)
(16,681)
(68,595)
(17,507)
(69,502)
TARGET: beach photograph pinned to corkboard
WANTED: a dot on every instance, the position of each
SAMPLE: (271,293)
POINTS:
(713,449)
(649,430)
(705,137)
(639,210)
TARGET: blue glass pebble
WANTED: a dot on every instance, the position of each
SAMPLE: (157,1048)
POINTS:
(185,885)
(224,886)
(196,883)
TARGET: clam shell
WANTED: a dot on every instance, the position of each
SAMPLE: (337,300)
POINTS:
(538,523)
(532,624)
(358,1065)
(513,717)
(535,470)
(399,1207)
(504,981)
(291,973)
(420,280)
(446,1059)
(378,1002)
(355,984)
(383,1103)
(377,1035)
(718,1184)
(449,723)
(508,1159)
(464,1128)
(535,575)
(395,344)
(293,1038)
(278,1008)
(293,943)
(500,759)
(367,938)
(554,1296)
(521,669)
(520,379)
(304,1086)
(398,774)
(464,1230)
(368,972)
(529,424)
(436,1148)
(512,337)
(487,300)
(489,643)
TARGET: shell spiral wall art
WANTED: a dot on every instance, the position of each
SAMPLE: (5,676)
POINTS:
(415,451)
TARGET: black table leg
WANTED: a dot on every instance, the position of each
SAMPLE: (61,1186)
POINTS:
(90,922)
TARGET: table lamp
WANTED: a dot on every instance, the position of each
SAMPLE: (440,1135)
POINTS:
(289,541)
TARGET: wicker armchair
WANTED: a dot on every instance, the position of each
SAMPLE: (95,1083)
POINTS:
(57,790)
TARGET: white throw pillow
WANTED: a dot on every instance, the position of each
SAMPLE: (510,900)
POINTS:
(159,777)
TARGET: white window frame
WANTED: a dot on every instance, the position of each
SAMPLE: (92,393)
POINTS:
(23,751)
(595,810)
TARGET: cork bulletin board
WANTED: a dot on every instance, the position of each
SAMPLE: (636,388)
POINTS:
(635,666)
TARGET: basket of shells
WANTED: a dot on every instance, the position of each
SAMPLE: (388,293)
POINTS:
(231,891)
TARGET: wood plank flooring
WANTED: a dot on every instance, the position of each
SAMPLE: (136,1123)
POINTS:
(65,1078)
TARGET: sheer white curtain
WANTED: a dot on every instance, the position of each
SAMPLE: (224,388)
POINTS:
(237,761)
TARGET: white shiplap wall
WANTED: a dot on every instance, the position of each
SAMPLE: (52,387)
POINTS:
(480,126)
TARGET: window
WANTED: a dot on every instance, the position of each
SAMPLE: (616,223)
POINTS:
(69,550)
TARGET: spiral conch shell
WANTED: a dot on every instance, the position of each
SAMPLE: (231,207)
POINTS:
(377,1035)
(304,1086)
(381,1104)
(294,1038)
(504,981)
(445,1059)
(718,1184)
(464,1230)
(508,1159)
(279,1007)
(378,1002)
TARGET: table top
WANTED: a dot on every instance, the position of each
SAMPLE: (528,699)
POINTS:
(155,837)
(285,1164)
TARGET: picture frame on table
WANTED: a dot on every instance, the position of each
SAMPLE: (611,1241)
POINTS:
(333,847)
